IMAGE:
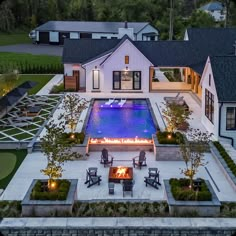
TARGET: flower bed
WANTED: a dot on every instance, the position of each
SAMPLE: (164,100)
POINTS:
(75,138)
(230,163)
(41,192)
(181,191)
(170,138)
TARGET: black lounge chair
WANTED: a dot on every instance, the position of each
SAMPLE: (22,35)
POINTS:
(141,160)
(92,179)
(153,178)
(127,186)
(105,158)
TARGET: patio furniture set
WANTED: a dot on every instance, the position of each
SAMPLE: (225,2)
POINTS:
(123,175)
(176,100)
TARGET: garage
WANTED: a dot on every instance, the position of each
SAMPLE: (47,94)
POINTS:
(44,37)
(63,36)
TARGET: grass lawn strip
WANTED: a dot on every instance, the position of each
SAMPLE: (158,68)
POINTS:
(20,156)
(14,38)
(8,161)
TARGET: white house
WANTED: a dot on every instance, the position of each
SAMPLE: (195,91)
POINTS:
(215,9)
(54,32)
(219,97)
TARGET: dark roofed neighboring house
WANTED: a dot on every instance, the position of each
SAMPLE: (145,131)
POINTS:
(55,32)
(215,9)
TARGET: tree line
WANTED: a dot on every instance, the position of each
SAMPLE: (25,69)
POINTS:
(27,14)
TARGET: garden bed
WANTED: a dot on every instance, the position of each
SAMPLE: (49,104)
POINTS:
(49,207)
(190,207)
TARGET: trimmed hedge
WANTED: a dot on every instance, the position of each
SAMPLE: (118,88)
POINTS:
(176,138)
(181,191)
(39,191)
(230,163)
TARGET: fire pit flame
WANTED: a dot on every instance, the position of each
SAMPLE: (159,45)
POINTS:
(120,141)
(121,171)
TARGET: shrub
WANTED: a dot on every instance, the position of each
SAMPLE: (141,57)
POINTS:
(230,163)
(78,138)
(39,192)
(181,191)
(176,138)
(58,88)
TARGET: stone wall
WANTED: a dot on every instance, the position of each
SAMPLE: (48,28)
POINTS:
(118,226)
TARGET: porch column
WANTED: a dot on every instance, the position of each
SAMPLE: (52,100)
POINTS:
(192,79)
(196,83)
(151,73)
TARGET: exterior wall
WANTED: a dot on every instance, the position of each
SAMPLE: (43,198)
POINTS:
(186,35)
(37,35)
(107,35)
(116,62)
(212,128)
(68,71)
(74,35)
(126,31)
(147,29)
(218,16)
(224,132)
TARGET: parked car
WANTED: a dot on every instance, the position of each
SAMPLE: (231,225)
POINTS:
(32,35)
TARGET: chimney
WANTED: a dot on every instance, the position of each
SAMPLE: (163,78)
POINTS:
(126,25)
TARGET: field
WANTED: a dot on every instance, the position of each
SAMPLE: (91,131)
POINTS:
(14,38)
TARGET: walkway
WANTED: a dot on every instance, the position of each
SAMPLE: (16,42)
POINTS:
(230,150)
(56,80)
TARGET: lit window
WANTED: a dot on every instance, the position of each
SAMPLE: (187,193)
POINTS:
(126,59)
(209,105)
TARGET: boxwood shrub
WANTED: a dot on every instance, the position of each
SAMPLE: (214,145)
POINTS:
(176,138)
(78,138)
(230,163)
(181,191)
(39,192)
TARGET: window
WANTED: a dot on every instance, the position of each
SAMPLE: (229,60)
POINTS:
(231,118)
(96,79)
(126,59)
(137,80)
(209,79)
(103,37)
(209,105)
(116,80)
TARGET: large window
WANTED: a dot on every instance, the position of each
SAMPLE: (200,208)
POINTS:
(126,80)
(96,79)
(231,118)
(209,105)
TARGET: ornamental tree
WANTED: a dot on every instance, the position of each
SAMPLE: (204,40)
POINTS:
(193,152)
(175,115)
(73,106)
(8,82)
(57,152)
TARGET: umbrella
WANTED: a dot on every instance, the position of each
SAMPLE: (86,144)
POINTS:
(28,84)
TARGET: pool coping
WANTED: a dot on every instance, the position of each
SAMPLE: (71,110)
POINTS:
(92,103)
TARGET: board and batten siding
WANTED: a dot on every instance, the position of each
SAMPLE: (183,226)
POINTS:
(210,127)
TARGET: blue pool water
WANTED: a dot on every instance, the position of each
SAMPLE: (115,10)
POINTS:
(112,121)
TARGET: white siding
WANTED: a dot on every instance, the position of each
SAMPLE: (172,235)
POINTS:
(217,15)
(211,127)
(37,35)
(107,35)
(146,29)
(68,70)
(53,37)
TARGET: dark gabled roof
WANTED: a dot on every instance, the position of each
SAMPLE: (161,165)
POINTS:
(90,26)
(212,6)
(224,73)
(192,53)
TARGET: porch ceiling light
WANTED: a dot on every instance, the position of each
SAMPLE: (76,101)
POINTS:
(126,68)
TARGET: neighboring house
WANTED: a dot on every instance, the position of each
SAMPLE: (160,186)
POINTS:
(215,9)
(55,32)
(219,97)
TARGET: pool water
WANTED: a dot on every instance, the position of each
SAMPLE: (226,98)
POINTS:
(112,121)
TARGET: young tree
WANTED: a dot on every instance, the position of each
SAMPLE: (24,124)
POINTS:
(57,152)
(8,82)
(73,106)
(193,153)
(175,115)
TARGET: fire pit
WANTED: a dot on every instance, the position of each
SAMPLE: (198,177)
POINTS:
(116,174)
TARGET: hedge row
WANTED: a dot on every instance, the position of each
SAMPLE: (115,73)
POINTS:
(27,68)
(230,163)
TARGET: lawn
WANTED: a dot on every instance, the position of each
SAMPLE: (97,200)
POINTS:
(40,79)
(19,155)
(14,38)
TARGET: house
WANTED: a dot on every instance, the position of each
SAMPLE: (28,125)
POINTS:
(219,98)
(54,32)
(215,9)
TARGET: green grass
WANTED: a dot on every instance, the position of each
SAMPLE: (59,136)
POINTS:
(40,79)
(8,161)
(14,38)
(20,156)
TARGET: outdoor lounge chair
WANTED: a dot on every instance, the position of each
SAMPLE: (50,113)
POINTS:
(171,98)
(127,186)
(92,179)
(105,158)
(110,101)
(153,178)
(141,160)
(122,102)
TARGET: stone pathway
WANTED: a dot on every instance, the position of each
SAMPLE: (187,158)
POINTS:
(56,80)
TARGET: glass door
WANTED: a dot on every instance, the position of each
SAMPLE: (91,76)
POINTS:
(137,80)
(116,80)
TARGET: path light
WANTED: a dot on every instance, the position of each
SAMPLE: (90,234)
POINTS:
(169,136)
(72,136)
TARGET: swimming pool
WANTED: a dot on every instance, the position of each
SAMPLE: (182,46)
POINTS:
(132,120)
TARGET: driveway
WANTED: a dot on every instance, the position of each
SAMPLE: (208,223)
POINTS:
(35,49)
